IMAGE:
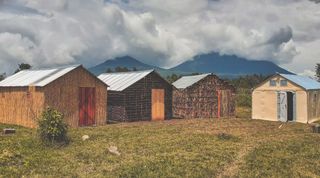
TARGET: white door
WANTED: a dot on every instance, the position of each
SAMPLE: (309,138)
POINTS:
(282,106)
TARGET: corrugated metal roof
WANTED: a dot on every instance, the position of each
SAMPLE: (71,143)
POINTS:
(305,82)
(122,80)
(187,81)
(39,77)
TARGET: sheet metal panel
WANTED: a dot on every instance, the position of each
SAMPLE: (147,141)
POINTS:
(187,81)
(122,80)
(40,77)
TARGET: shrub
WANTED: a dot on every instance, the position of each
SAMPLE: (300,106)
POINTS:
(243,98)
(52,128)
(225,136)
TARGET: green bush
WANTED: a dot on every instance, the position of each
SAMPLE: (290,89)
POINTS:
(243,98)
(225,136)
(52,128)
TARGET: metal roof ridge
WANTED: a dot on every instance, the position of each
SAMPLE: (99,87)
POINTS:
(129,72)
(51,68)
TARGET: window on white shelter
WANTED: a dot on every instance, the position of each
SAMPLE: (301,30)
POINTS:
(273,83)
(283,83)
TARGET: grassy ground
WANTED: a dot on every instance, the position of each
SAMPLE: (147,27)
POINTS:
(243,112)
(175,148)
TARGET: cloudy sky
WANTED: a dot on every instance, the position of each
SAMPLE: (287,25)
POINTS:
(160,32)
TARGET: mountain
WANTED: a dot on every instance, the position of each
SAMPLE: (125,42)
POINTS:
(130,63)
(125,61)
(225,66)
(229,65)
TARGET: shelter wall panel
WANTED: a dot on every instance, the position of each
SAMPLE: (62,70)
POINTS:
(20,106)
(302,106)
(116,107)
(63,94)
(264,105)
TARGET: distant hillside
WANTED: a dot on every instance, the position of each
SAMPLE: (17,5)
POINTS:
(224,66)
(229,66)
(125,61)
(130,63)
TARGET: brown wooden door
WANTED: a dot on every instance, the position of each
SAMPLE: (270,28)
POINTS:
(158,104)
(223,103)
(87,106)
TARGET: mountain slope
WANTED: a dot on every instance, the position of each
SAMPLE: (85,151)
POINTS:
(224,66)
(229,66)
(125,61)
(130,63)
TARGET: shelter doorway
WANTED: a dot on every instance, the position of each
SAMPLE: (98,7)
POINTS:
(290,106)
(158,104)
(87,106)
(286,106)
(223,105)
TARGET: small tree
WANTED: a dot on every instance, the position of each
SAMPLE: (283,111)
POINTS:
(121,69)
(23,66)
(2,76)
(172,78)
(109,70)
(52,128)
(318,71)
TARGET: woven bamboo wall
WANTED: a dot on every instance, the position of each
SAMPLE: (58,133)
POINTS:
(63,94)
(134,103)
(20,105)
(201,99)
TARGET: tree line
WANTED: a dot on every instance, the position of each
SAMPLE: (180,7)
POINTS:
(120,69)
(248,81)
(22,66)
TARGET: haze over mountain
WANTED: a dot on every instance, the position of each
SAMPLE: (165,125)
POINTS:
(232,66)
(229,65)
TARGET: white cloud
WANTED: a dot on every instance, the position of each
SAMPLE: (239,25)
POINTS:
(160,32)
(308,73)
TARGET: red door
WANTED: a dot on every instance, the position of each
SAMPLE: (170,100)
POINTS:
(87,106)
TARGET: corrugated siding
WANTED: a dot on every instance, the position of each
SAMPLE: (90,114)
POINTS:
(122,80)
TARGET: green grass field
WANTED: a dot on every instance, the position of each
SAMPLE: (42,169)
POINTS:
(174,148)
